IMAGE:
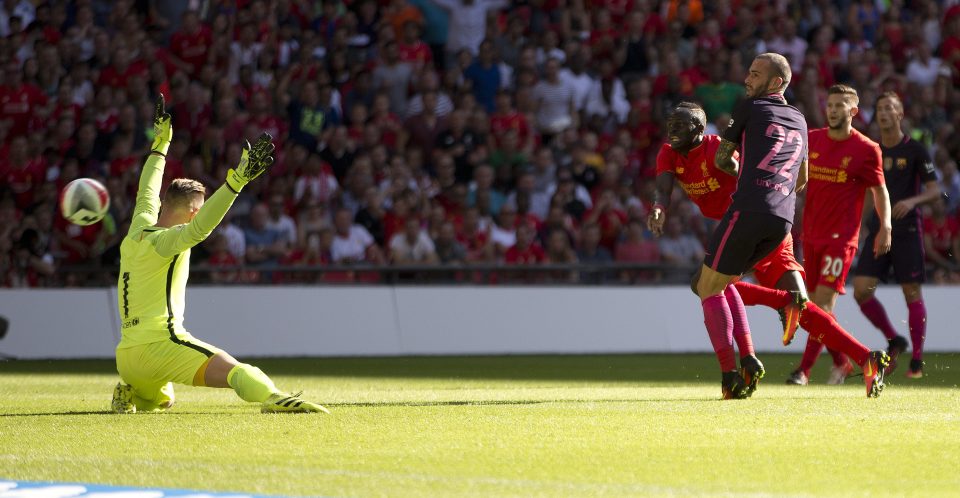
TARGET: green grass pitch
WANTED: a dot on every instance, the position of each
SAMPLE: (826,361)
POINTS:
(625,425)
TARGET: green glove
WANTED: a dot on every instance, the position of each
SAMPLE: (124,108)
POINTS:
(253,162)
(162,129)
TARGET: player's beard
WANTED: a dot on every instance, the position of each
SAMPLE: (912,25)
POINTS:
(761,90)
(841,124)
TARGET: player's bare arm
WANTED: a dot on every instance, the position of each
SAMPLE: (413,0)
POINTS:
(881,202)
(661,203)
(724,159)
(931,191)
(802,176)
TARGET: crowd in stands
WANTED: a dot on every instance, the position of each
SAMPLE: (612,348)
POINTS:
(429,132)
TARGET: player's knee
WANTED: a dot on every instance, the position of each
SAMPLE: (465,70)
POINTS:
(861,295)
(911,292)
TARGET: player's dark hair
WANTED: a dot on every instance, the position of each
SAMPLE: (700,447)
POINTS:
(182,189)
(696,110)
(848,92)
(892,96)
(779,66)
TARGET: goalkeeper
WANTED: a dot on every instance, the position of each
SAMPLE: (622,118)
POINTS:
(155,351)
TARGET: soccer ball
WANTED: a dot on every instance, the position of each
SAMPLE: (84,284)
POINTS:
(84,201)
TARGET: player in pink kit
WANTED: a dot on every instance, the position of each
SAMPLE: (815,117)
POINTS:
(844,165)
(688,161)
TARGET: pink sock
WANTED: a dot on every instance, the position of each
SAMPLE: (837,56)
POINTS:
(719,322)
(918,327)
(874,312)
(741,329)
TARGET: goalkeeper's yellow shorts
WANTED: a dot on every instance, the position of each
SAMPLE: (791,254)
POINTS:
(149,367)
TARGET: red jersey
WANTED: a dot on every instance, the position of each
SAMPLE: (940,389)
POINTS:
(705,185)
(18,105)
(839,175)
(111,77)
(942,234)
(531,255)
(192,48)
(23,181)
(418,52)
(500,124)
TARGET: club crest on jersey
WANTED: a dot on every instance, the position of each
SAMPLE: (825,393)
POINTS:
(887,164)
(703,168)
(845,162)
(814,155)
(901,162)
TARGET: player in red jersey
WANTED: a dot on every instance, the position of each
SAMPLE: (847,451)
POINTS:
(844,165)
(689,160)
(906,166)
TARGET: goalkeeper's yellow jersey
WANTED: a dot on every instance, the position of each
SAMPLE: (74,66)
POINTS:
(155,261)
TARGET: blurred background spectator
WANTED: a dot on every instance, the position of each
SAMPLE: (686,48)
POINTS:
(430,131)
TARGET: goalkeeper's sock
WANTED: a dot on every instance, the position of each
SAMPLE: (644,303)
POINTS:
(250,383)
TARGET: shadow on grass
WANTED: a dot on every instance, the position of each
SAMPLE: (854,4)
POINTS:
(942,369)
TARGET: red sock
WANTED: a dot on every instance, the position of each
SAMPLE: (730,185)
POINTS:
(824,328)
(719,322)
(753,295)
(918,327)
(811,353)
(839,359)
(741,329)
(874,312)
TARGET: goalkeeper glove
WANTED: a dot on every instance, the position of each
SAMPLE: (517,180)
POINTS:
(253,162)
(162,129)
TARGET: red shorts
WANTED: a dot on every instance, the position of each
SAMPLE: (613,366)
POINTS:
(827,264)
(781,260)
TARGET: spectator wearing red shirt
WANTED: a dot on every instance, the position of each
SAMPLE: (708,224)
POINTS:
(122,67)
(604,36)
(412,49)
(262,118)
(475,239)
(78,244)
(941,237)
(191,42)
(526,251)
(506,118)
(609,216)
(20,101)
(221,257)
(21,173)
(637,248)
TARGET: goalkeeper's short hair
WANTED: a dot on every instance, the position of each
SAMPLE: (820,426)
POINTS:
(182,189)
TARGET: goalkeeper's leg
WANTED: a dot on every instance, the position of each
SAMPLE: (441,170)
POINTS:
(251,384)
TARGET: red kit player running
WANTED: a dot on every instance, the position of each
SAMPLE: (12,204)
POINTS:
(688,159)
(844,165)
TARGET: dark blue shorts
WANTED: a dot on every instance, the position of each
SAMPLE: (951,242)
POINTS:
(906,256)
(743,239)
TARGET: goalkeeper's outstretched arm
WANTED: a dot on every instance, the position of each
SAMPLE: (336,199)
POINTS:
(147,209)
(253,162)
